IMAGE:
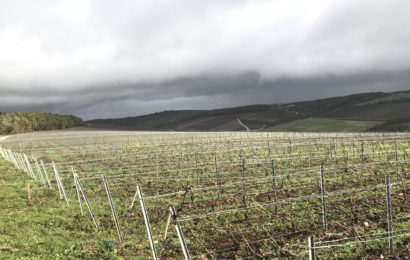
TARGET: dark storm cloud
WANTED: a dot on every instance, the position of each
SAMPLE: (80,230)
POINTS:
(97,58)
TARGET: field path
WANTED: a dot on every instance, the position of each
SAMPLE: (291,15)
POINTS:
(242,124)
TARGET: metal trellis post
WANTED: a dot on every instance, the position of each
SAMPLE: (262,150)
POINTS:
(146,220)
(86,202)
(389,215)
(323,196)
(179,233)
(114,213)
(311,248)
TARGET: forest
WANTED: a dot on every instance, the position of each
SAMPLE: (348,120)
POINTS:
(29,121)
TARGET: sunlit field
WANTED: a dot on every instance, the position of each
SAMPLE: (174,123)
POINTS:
(232,195)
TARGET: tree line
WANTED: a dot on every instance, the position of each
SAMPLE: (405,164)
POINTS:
(29,121)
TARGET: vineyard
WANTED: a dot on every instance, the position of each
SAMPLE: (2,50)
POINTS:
(228,195)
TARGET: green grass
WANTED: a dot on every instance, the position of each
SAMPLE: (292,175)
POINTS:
(44,227)
(324,125)
(394,97)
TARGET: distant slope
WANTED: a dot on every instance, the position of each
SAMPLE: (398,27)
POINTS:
(254,117)
(387,108)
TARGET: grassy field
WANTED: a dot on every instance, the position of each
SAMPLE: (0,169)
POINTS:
(324,125)
(393,97)
(231,201)
(41,227)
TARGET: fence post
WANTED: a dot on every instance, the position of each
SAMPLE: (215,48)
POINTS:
(146,220)
(86,202)
(397,160)
(11,158)
(217,176)
(253,149)
(196,170)
(170,161)
(156,154)
(60,184)
(6,153)
(114,213)
(148,159)
(330,151)
(166,227)
(240,147)
(362,154)
(29,167)
(2,152)
(24,164)
(389,215)
(133,200)
(311,248)
(45,173)
(16,158)
(28,192)
(179,232)
(290,152)
(243,183)
(323,195)
(40,174)
(272,165)
(229,151)
(15,161)
(181,163)
(78,190)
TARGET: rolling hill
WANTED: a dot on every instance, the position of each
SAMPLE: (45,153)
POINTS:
(377,111)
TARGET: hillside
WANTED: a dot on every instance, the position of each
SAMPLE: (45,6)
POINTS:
(368,111)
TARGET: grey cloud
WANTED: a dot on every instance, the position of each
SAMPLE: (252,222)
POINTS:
(97,58)
(205,93)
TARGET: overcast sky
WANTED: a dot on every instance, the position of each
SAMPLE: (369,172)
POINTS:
(102,59)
